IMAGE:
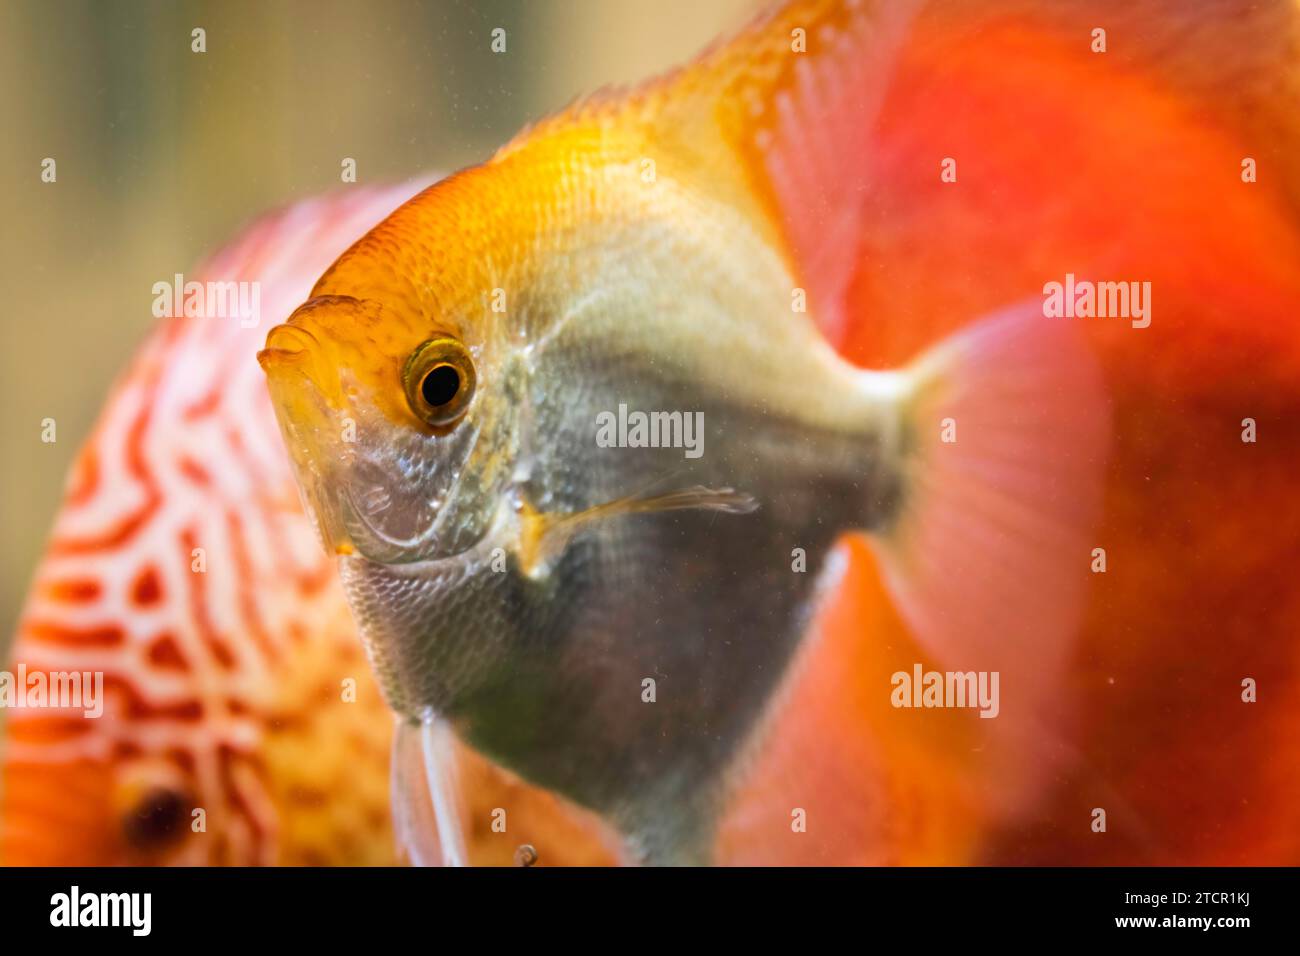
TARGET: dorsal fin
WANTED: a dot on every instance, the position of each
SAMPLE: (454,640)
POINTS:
(795,97)
(802,115)
(775,121)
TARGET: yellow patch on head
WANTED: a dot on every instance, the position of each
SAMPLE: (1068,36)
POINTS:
(340,345)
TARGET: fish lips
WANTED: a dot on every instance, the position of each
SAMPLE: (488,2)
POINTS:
(313,436)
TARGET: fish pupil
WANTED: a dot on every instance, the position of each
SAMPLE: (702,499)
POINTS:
(156,819)
(440,385)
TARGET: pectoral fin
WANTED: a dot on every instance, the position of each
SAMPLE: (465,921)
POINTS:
(543,536)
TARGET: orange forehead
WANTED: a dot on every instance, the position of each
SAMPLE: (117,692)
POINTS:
(439,263)
(444,264)
(336,342)
(459,258)
(432,268)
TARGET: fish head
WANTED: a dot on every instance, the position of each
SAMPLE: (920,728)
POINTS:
(94,811)
(399,393)
(145,786)
(395,423)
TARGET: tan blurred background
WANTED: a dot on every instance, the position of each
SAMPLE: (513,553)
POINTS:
(163,154)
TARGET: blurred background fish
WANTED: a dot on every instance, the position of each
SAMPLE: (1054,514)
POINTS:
(182,569)
(1126,163)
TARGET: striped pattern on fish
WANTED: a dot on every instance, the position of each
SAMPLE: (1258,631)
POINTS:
(216,680)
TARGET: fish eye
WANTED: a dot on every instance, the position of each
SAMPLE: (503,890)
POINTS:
(156,820)
(439,381)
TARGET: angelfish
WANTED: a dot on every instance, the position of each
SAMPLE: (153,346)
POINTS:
(615,623)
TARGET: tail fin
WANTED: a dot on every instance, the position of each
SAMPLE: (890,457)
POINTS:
(1004,437)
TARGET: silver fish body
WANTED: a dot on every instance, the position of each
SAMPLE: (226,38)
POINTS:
(545,669)
(520,581)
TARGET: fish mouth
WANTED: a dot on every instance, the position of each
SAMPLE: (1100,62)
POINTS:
(311,429)
(291,357)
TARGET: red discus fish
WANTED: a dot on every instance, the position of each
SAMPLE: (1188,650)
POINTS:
(180,568)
